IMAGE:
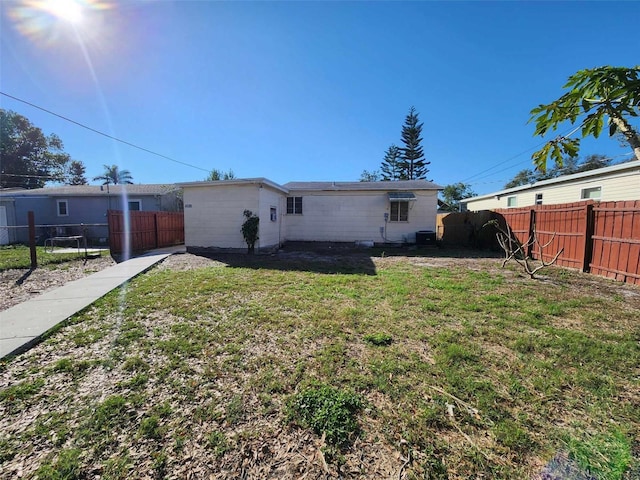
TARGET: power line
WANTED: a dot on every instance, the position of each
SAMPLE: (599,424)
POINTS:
(560,172)
(568,134)
(103,134)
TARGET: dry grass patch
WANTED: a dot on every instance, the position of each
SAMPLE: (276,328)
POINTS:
(213,370)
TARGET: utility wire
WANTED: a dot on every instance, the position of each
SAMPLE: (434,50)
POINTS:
(103,134)
(560,172)
(568,134)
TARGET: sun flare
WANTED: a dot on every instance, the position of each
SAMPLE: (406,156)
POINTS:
(50,21)
(68,10)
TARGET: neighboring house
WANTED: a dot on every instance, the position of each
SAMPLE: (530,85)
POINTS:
(371,212)
(617,182)
(61,210)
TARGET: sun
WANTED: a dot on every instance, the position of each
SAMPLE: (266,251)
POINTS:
(68,10)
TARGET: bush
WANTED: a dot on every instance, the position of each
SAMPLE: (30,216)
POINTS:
(327,410)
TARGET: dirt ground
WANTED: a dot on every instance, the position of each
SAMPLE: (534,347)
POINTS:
(18,285)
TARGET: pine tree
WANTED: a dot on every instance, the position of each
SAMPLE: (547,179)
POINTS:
(391,166)
(75,175)
(412,155)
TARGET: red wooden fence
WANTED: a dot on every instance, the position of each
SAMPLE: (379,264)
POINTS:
(600,238)
(145,230)
(616,241)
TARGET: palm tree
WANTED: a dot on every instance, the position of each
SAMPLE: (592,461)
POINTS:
(112,174)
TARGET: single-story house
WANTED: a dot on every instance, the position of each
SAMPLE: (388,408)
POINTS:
(369,212)
(61,210)
(616,182)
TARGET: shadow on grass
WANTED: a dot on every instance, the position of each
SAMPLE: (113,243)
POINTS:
(335,258)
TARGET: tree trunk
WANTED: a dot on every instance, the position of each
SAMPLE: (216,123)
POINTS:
(629,134)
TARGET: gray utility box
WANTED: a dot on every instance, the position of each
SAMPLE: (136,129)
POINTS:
(426,237)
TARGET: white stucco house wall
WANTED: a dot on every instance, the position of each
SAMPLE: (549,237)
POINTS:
(613,183)
(370,212)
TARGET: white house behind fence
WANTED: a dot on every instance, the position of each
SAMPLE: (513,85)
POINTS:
(617,182)
(368,212)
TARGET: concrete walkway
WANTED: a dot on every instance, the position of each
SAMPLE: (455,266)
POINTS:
(22,325)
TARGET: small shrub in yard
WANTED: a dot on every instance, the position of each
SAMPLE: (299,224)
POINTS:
(379,339)
(327,410)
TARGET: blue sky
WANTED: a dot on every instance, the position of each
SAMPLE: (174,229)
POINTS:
(297,91)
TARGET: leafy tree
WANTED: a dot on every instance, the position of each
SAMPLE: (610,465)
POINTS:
(569,166)
(592,162)
(453,193)
(216,175)
(112,174)
(413,162)
(611,93)
(523,177)
(75,174)
(250,229)
(392,167)
(373,176)
(28,158)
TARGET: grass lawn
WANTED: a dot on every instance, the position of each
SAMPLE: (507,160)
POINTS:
(19,256)
(392,367)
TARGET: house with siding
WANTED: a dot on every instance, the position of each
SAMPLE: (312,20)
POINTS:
(60,211)
(369,212)
(616,182)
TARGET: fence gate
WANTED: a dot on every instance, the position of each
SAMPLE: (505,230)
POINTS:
(144,230)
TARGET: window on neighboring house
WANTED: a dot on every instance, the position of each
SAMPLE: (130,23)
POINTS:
(135,205)
(593,193)
(538,199)
(294,205)
(273,214)
(399,212)
(512,201)
(63,208)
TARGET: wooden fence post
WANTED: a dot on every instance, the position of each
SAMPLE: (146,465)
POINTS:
(532,227)
(155,229)
(32,239)
(588,237)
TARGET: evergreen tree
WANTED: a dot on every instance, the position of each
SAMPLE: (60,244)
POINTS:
(367,176)
(412,156)
(215,175)
(391,167)
(75,175)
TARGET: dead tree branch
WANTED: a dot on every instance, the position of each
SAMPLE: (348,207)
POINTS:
(515,250)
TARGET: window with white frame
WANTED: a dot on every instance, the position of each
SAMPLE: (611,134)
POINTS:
(273,214)
(294,205)
(399,212)
(591,193)
(62,208)
(538,199)
(512,201)
(135,205)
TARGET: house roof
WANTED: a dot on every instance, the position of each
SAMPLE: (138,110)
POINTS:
(631,167)
(90,190)
(236,181)
(399,185)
